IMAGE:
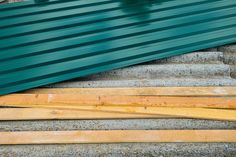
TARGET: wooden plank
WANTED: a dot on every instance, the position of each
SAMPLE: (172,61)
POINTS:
(116,136)
(28,100)
(148,91)
(47,114)
(199,113)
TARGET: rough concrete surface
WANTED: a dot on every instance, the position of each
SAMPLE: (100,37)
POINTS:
(131,124)
(230,57)
(119,150)
(211,67)
(193,69)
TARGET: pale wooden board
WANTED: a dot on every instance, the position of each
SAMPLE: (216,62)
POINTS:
(49,114)
(29,100)
(198,113)
(148,101)
(116,136)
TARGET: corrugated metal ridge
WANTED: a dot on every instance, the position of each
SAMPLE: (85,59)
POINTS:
(58,40)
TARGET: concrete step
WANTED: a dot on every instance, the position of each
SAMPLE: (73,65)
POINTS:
(229,54)
(191,58)
(148,83)
(233,71)
(227,48)
(122,150)
(164,71)
(120,124)
(230,57)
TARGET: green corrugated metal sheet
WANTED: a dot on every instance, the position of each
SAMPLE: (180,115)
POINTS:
(57,40)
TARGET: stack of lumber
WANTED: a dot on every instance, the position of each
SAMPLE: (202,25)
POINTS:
(215,103)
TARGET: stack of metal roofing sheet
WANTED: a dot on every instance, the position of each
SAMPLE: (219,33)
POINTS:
(52,41)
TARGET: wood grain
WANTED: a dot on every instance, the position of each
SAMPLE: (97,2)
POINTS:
(199,113)
(28,100)
(116,136)
(49,114)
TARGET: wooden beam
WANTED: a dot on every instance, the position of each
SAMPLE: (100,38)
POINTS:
(199,113)
(28,100)
(116,136)
(48,114)
(148,91)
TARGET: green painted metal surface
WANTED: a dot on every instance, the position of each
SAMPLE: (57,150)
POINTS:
(52,41)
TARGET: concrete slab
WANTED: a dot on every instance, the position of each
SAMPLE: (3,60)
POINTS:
(134,124)
(165,82)
(230,57)
(123,150)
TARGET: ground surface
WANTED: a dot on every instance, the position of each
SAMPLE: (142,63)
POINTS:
(213,67)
